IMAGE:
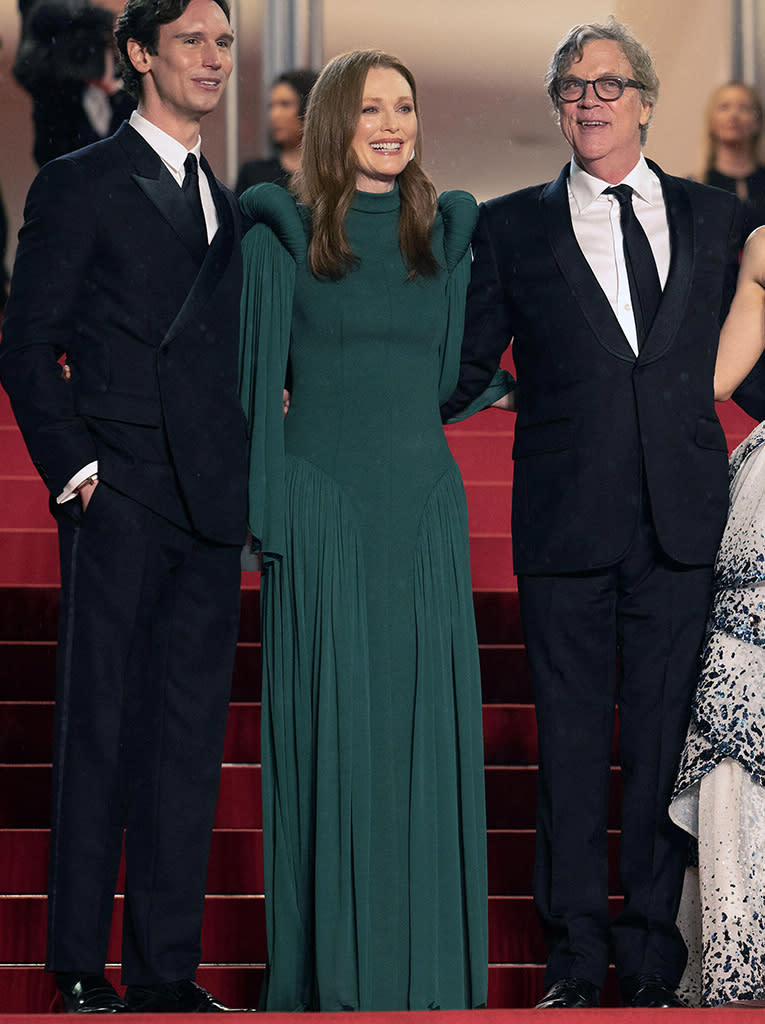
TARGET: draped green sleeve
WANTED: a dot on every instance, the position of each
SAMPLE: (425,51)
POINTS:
(460,213)
(273,246)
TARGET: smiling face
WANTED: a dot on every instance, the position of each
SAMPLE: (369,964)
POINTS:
(185,78)
(386,132)
(604,135)
(734,118)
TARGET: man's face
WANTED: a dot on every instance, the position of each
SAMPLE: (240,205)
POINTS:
(604,135)
(185,78)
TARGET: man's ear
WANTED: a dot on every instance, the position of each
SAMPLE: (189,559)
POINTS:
(646,112)
(138,55)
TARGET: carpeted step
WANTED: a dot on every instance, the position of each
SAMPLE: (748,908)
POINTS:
(30,613)
(233,929)
(483,455)
(489,509)
(24,502)
(28,668)
(16,460)
(26,733)
(510,796)
(236,862)
(29,556)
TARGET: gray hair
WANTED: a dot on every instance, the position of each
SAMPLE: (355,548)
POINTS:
(571,47)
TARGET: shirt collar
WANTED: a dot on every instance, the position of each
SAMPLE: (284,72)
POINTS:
(169,149)
(586,188)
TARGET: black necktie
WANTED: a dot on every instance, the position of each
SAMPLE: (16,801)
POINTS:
(645,287)
(191,192)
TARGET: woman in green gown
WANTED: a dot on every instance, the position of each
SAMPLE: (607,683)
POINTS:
(374,827)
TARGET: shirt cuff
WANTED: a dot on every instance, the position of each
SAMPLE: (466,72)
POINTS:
(70,490)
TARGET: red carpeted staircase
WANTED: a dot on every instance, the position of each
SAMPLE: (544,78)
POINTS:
(234,937)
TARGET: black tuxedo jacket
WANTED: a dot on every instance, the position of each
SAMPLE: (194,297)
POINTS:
(593,418)
(108,272)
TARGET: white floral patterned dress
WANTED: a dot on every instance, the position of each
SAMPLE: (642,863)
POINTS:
(720,792)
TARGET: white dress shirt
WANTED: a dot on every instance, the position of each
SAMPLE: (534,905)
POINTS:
(173,155)
(597,226)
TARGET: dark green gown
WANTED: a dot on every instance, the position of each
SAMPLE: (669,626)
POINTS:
(373,791)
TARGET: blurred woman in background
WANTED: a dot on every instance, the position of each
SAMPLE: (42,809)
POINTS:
(286,110)
(732,147)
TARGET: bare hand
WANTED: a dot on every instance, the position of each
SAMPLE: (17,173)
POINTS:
(66,371)
(285,402)
(85,492)
(255,554)
(506,402)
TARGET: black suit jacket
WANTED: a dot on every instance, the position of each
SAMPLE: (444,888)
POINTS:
(593,418)
(108,272)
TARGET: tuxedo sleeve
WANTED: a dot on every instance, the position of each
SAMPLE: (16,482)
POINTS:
(57,246)
(487,325)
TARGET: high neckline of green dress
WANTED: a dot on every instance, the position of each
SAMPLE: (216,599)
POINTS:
(377,202)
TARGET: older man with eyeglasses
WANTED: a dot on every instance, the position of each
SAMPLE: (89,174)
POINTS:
(611,282)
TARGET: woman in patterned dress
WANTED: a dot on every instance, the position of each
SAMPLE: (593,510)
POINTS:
(720,792)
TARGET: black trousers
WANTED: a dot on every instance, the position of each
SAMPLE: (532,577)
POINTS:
(147,636)
(652,612)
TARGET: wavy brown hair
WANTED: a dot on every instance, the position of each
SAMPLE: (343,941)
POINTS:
(326,179)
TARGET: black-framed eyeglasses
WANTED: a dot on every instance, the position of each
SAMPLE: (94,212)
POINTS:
(607,87)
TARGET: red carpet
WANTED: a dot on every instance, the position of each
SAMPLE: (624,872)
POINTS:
(731,1015)
(233,936)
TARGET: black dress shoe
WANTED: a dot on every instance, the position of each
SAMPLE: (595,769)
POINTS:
(88,993)
(649,990)
(570,994)
(172,997)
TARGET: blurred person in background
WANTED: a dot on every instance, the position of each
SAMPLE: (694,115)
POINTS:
(66,62)
(286,111)
(732,148)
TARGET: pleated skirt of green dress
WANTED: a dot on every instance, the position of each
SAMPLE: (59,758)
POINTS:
(375,868)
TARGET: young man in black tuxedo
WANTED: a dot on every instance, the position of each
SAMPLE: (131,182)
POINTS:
(129,263)
(613,298)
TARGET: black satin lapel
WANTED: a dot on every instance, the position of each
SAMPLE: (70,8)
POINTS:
(573,265)
(677,290)
(214,265)
(167,195)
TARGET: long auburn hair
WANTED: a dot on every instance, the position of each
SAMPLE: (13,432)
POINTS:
(326,179)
